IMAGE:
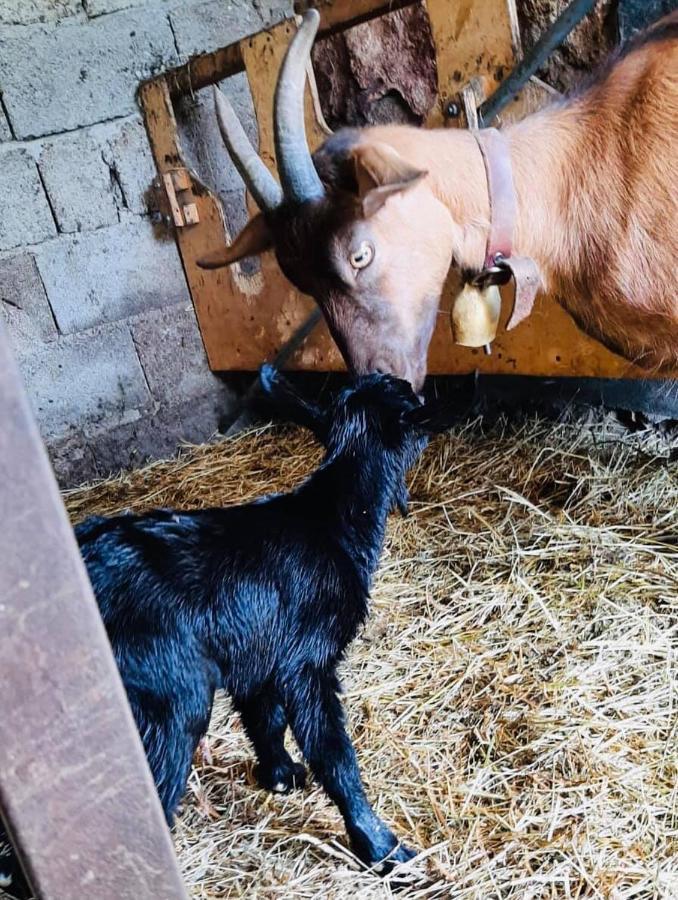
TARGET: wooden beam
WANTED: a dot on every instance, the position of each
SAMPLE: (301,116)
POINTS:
(76,792)
(338,15)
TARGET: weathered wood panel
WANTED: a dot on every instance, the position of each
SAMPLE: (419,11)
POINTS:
(75,788)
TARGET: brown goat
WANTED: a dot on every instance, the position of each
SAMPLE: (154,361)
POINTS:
(370,225)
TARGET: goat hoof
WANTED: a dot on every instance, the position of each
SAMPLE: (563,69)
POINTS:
(383,853)
(283,778)
(400,854)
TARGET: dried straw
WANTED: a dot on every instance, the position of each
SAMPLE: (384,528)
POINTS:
(514,697)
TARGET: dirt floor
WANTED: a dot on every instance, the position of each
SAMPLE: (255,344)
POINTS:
(514,697)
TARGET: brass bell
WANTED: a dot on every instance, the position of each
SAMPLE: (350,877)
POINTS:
(475,315)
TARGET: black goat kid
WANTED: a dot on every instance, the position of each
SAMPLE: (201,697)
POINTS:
(262,600)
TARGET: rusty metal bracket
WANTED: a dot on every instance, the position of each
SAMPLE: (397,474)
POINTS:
(76,792)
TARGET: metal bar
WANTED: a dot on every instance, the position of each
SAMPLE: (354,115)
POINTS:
(288,348)
(547,43)
(76,792)
(293,343)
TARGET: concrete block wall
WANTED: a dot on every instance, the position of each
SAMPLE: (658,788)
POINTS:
(91,291)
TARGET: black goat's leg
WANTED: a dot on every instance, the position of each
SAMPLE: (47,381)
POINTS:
(317,721)
(265,722)
(169,744)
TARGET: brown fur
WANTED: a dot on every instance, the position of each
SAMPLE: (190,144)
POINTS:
(597,210)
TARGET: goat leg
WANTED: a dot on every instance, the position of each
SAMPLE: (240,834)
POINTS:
(318,724)
(265,722)
(170,730)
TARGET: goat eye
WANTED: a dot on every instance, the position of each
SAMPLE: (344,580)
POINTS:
(363,256)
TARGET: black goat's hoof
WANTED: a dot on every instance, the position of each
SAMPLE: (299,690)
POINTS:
(380,850)
(400,854)
(283,778)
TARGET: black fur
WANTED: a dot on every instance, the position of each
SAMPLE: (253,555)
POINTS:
(261,600)
(12,880)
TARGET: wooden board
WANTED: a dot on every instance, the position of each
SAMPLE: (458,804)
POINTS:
(76,792)
(245,319)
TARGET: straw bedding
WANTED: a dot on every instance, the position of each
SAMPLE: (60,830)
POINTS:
(514,696)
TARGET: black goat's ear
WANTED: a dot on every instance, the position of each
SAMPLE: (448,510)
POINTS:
(289,404)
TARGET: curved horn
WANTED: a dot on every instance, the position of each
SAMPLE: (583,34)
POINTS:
(298,176)
(258,180)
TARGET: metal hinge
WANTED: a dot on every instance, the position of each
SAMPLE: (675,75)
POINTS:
(179,190)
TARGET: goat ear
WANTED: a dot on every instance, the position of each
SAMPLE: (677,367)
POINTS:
(380,172)
(290,405)
(253,239)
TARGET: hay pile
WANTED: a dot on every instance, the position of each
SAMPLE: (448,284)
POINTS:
(514,697)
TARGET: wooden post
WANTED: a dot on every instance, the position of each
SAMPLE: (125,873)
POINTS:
(76,793)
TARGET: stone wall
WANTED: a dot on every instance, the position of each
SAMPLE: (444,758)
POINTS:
(92,292)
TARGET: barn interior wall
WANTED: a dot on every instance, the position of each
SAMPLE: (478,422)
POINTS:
(91,287)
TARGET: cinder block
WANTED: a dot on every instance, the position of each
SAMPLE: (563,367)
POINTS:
(79,182)
(23,303)
(103,7)
(72,460)
(110,274)
(95,175)
(84,380)
(172,355)
(128,156)
(88,70)
(272,11)
(156,435)
(25,12)
(26,217)
(207,26)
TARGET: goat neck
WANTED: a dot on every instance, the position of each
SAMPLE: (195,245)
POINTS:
(541,149)
(360,486)
(574,177)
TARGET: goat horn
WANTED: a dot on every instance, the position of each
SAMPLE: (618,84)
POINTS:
(298,176)
(259,181)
